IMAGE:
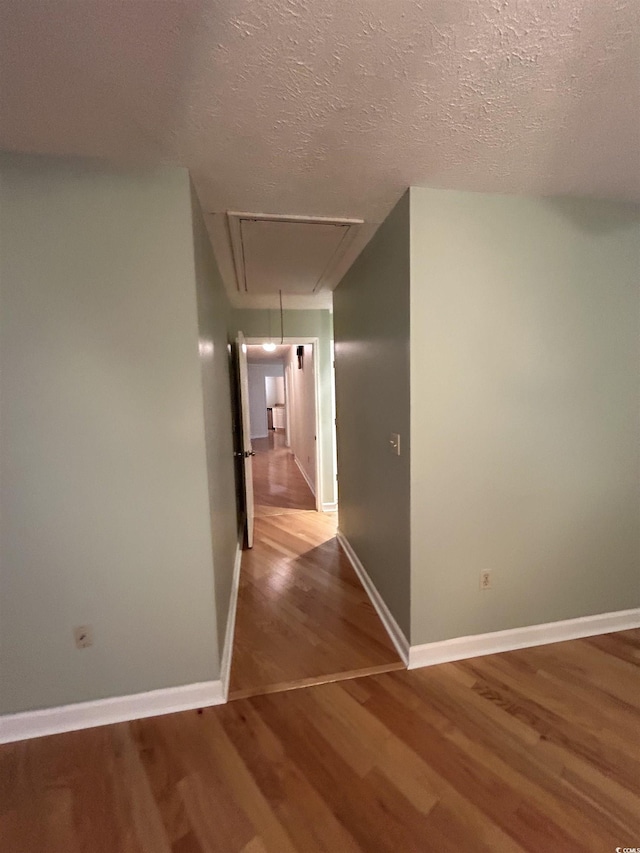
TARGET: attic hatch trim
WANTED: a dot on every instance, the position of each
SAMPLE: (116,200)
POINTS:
(236,218)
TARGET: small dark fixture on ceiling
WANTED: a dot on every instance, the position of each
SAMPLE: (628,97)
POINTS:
(300,354)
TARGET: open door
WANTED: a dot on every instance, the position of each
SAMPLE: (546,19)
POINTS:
(245,427)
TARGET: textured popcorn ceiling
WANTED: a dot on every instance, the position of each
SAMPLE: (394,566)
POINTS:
(333,107)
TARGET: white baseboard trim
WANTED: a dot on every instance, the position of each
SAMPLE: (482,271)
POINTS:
(393,629)
(227,652)
(330,506)
(102,712)
(305,475)
(460,648)
(119,709)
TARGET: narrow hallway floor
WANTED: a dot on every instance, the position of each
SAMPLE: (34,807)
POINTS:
(303,616)
(278,485)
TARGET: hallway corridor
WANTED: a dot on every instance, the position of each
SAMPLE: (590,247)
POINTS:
(303,616)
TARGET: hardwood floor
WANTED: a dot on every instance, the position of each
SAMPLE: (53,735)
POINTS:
(535,750)
(303,616)
(278,485)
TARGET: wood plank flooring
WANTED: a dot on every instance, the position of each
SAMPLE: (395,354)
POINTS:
(535,750)
(278,485)
(303,616)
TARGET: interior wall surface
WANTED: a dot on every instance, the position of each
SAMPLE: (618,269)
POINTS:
(302,410)
(104,504)
(371,321)
(215,356)
(525,403)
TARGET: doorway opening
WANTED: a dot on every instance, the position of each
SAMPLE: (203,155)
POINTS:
(284,427)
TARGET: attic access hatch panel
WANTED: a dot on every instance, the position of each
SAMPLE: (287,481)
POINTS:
(292,254)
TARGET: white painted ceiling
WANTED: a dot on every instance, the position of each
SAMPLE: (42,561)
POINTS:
(332,108)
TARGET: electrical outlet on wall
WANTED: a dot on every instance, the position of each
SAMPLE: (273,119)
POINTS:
(83,636)
(485,580)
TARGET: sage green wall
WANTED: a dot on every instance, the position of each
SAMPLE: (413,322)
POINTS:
(104,504)
(254,323)
(214,311)
(525,410)
(371,324)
